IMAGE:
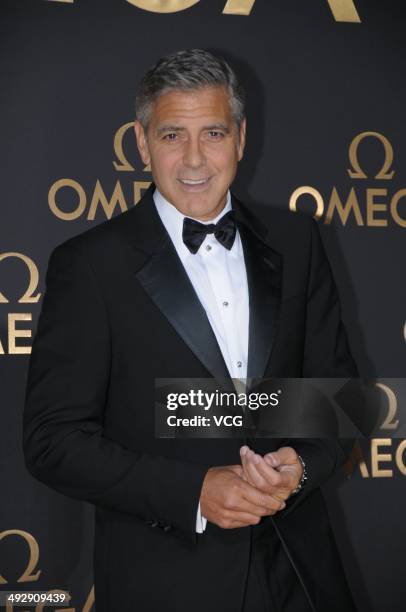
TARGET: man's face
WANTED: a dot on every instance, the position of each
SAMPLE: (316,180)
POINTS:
(193,145)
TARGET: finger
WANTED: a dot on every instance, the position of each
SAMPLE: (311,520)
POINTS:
(277,478)
(262,474)
(247,498)
(288,479)
(277,484)
(241,519)
(284,455)
(245,517)
(249,462)
(237,469)
(257,509)
(271,460)
(263,499)
(235,525)
(291,474)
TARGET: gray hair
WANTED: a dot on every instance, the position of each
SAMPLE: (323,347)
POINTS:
(190,69)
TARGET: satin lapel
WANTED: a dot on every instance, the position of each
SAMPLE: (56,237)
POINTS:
(165,280)
(264,276)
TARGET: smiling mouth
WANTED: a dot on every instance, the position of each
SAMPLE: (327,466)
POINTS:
(194,181)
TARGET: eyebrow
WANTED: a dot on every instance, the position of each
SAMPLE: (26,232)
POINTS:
(218,126)
(177,128)
(169,128)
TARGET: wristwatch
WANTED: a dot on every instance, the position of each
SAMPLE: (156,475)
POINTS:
(303,478)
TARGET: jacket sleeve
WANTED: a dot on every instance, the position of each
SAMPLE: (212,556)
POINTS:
(66,392)
(326,354)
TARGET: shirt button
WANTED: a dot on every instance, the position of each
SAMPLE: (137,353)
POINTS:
(239,364)
(225,303)
(208,247)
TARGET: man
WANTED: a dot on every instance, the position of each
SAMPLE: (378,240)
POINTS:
(189,284)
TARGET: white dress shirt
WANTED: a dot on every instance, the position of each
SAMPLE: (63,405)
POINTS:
(219,278)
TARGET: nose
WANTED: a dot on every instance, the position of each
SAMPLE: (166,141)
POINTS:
(193,155)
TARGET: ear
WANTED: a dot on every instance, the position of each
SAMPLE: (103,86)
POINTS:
(241,144)
(142,144)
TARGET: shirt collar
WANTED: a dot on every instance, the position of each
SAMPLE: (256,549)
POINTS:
(172,219)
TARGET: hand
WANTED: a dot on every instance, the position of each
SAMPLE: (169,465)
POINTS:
(229,501)
(276,474)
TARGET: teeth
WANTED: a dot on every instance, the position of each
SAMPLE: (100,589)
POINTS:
(191,182)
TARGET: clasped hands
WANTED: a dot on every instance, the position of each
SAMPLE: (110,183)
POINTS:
(239,495)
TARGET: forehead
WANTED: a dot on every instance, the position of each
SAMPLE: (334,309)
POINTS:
(206,103)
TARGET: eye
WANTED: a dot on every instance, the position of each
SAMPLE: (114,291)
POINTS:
(171,136)
(215,134)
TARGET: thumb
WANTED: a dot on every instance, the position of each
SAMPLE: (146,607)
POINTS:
(272,459)
(285,455)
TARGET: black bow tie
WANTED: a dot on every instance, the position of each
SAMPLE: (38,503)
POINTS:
(195,232)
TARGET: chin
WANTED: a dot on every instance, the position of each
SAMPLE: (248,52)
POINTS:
(200,210)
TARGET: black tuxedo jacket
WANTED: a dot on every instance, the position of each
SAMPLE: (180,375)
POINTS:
(119,311)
